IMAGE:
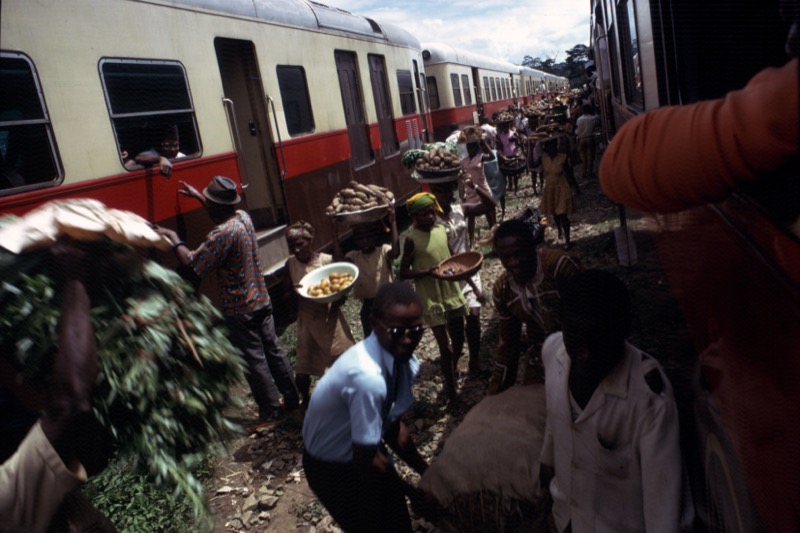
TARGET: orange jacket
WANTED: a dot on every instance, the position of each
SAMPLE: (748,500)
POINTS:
(679,156)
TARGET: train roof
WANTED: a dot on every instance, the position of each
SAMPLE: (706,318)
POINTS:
(437,53)
(302,13)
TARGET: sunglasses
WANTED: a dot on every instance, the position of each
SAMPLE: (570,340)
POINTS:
(398,332)
(170,145)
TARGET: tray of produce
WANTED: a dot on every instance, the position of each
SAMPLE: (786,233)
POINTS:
(512,164)
(328,283)
(438,162)
(459,267)
(371,214)
(436,176)
(358,203)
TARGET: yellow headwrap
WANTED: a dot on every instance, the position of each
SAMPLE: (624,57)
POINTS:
(420,201)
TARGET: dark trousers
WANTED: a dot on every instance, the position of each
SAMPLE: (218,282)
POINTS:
(359,505)
(254,335)
(366,316)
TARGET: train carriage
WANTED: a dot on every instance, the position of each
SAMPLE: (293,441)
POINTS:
(733,265)
(463,86)
(292,99)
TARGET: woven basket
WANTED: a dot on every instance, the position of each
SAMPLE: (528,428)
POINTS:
(438,173)
(487,512)
(459,266)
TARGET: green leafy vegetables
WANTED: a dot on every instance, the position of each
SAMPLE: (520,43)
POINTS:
(166,365)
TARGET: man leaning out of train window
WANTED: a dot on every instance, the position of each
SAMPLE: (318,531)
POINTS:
(168,149)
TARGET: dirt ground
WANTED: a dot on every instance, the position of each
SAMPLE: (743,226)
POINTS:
(260,486)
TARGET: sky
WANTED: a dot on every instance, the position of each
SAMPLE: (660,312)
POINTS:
(497,28)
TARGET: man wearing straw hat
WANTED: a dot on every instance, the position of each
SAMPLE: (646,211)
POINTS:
(231,248)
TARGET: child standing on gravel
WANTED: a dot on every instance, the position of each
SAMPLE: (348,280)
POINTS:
(443,303)
(373,259)
(322,330)
(455,224)
(557,194)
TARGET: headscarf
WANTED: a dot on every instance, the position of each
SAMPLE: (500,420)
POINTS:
(301,228)
(420,201)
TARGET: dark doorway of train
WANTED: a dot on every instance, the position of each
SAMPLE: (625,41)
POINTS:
(246,109)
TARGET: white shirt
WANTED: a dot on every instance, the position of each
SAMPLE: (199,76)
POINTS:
(584,126)
(618,465)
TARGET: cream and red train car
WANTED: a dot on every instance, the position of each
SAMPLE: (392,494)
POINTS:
(292,99)
(733,265)
(535,84)
(463,86)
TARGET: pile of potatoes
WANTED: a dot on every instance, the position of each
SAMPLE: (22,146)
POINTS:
(438,159)
(357,197)
(335,282)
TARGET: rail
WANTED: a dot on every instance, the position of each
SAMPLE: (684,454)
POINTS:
(233,125)
(271,103)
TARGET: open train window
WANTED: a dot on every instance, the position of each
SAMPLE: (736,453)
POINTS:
(28,155)
(433,93)
(494,89)
(295,100)
(405,86)
(629,52)
(486,92)
(145,98)
(454,82)
(465,87)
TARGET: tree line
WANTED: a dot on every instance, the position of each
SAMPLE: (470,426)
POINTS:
(571,68)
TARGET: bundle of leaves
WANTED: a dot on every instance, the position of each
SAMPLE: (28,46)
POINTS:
(166,364)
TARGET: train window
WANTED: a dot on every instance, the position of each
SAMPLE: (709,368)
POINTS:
(629,52)
(405,84)
(486,92)
(294,96)
(494,89)
(466,88)
(28,155)
(146,97)
(433,93)
(456,90)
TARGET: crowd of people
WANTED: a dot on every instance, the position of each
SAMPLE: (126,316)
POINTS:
(611,459)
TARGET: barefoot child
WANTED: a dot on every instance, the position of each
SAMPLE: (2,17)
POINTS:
(373,259)
(478,196)
(443,304)
(452,218)
(322,331)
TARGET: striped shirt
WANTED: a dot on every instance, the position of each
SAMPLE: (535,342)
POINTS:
(232,249)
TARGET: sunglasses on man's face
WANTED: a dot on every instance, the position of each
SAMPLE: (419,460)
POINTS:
(170,145)
(398,332)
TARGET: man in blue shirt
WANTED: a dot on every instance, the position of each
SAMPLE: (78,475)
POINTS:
(355,412)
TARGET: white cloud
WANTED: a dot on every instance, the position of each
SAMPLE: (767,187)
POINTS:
(503,29)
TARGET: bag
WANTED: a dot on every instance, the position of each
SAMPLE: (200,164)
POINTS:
(532,217)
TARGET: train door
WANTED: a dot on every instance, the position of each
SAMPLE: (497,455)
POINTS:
(249,122)
(357,128)
(476,86)
(383,107)
(422,100)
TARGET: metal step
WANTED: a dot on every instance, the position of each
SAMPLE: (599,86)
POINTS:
(272,249)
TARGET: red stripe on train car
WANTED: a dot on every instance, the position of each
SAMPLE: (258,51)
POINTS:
(375,136)
(458,115)
(144,192)
(312,152)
